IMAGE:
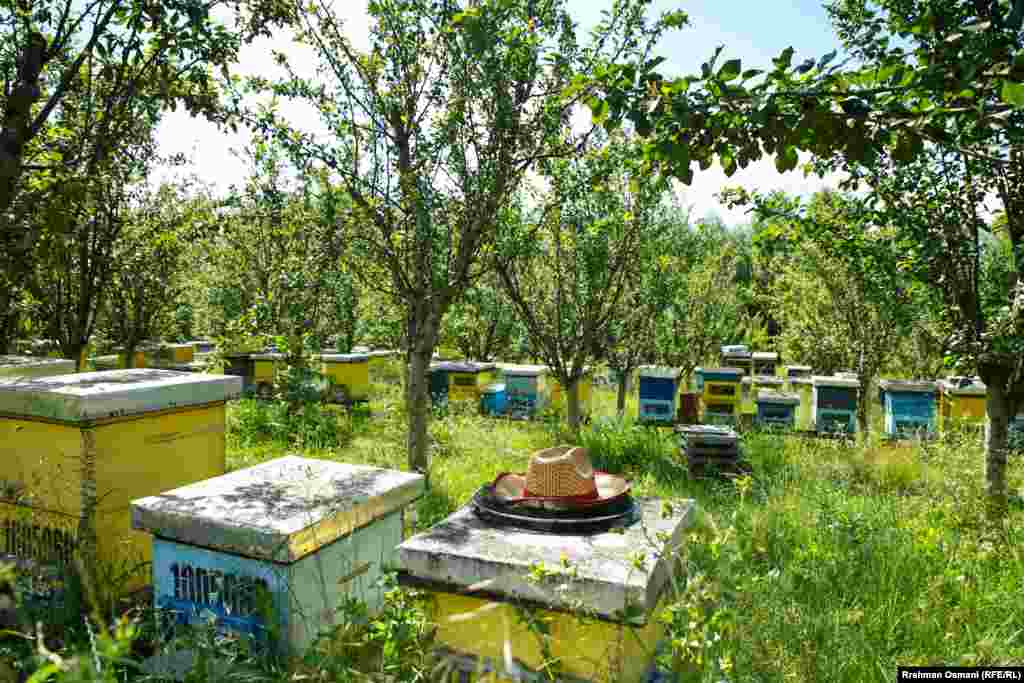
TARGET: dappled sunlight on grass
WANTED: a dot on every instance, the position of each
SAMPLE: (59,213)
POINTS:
(833,560)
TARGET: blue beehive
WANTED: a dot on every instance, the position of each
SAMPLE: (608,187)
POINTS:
(835,404)
(526,388)
(271,550)
(658,389)
(493,400)
(776,409)
(909,407)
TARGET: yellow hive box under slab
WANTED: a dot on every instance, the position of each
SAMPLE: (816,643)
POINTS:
(466,379)
(585,648)
(98,440)
(265,367)
(349,374)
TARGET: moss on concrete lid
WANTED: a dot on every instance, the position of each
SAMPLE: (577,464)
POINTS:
(280,510)
(91,396)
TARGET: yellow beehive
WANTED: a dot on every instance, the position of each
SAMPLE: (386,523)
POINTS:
(264,370)
(349,374)
(961,402)
(466,379)
(586,392)
(97,441)
(171,354)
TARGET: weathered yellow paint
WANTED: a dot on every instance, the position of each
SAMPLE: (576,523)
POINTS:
(467,386)
(355,377)
(959,409)
(263,373)
(138,360)
(722,392)
(594,650)
(135,457)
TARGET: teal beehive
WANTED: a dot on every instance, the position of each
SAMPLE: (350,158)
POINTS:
(909,407)
(272,550)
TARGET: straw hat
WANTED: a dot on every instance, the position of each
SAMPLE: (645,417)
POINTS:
(562,475)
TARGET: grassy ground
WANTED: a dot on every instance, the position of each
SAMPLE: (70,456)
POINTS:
(832,561)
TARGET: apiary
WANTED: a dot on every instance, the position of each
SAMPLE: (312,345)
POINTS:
(658,391)
(349,375)
(777,409)
(764,362)
(793,371)
(272,549)
(493,399)
(722,397)
(708,446)
(595,593)
(34,366)
(909,407)
(78,448)
(585,387)
(961,402)
(835,404)
(527,388)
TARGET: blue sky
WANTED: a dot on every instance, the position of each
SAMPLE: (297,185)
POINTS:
(750,30)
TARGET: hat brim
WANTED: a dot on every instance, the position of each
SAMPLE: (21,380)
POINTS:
(511,489)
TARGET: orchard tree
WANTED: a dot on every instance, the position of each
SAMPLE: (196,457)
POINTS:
(569,270)
(705,310)
(150,262)
(432,130)
(482,325)
(147,54)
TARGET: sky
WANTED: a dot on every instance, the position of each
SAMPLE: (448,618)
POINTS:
(754,32)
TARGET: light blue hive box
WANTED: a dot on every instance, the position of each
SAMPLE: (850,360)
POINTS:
(909,407)
(272,550)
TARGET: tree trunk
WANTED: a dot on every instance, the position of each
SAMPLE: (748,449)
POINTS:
(996,442)
(624,382)
(418,407)
(572,404)
(864,406)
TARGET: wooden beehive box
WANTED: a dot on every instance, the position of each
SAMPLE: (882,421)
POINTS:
(804,388)
(909,407)
(97,440)
(764,362)
(657,391)
(527,389)
(777,409)
(349,375)
(835,404)
(961,402)
(466,379)
(598,601)
(273,549)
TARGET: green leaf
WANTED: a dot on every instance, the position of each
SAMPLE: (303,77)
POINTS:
(730,70)
(783,60)
(1013,93)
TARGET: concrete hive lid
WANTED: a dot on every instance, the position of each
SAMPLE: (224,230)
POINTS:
(777,397)
(462,366)
(765,355)
(523,370)
(963,386)
(267,355)
(91,396)
(280,510)
(32,366)
(609,571)
(769,379)
(735,348)
(836,381)
(659,372)
(895,386)
(801,380)
(345,357)
(708,434)
(802,368)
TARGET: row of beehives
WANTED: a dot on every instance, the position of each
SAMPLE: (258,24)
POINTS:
(515,390)
(132,464)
